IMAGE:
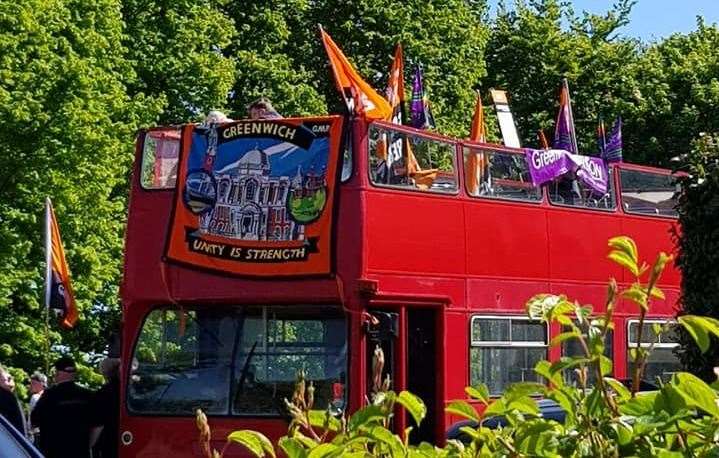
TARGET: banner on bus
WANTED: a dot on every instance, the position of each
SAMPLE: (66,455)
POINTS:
(255,197)
(547,165)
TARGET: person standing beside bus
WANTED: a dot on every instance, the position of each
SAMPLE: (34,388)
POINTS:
(38,384)
(63,415)
(106,410)
(9,404)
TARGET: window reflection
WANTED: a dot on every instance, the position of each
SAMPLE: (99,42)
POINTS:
(233,360)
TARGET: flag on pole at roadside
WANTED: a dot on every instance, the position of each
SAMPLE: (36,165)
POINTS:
(477,161)
(420,112)
(360,97)
(564,134)
(613,149)
(59,296)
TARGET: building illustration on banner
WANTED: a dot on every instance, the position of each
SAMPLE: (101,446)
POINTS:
(252,204)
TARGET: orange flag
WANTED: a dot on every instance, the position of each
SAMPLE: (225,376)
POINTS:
(395,86)
(58,288)
(542,139)
(477,163)
(361,99)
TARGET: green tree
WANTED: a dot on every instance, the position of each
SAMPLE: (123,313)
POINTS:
(698,245)
(176,49)
(678,95)
(66,132)
(530,51)
(448,37)
(266,31)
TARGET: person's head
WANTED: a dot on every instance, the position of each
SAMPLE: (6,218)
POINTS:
(262,109)
(7,381)
(38,382)
(110,368)
(65,369)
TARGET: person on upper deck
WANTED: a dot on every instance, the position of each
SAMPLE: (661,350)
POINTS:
(262,109)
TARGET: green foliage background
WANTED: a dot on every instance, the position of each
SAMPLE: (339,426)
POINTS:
(79,77)
(699,247)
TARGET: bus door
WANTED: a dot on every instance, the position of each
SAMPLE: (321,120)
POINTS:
(408,339)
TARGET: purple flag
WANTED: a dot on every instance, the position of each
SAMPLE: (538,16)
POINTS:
(564,128)
(547,165)
(420,113)
(613,150)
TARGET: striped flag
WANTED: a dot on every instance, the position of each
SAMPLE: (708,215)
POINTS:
(420,112)
(613,150)
(359,96)
(564,135)
(58,288)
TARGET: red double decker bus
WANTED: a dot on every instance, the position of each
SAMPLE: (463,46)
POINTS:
(433,273)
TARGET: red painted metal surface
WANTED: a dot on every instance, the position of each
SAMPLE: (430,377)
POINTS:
(395,249)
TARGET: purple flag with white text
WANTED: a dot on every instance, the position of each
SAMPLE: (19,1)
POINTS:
(420,113)
(613,151)
(548,165)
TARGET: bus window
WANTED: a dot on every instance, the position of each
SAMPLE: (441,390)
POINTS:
(276,345)
(569,191)
(662,362)
(648,193)
(160,154)
(505,350)
(236,361)
(412,162)
(499,175)
(182,362)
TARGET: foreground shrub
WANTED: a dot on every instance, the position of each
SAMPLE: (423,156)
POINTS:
(603,419)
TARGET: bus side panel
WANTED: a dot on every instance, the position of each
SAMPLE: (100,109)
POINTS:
(414,232)
(578,245)
(653,235)
(505,239)
(494,297)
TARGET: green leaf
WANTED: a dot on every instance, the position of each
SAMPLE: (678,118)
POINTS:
(605,365)
(323,419)
(253,441)
(322,451)
(479,392)
(622,391)
(462,409)
(641,404)
(413,404)
(564,336)
(292,448)
(625,245)
(383,435)
(544,369)
(696,393)
(365,416)
(700,327)
(636,294)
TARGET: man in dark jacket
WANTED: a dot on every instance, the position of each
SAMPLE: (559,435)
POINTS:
(9,405)
(106,410)
(63,415)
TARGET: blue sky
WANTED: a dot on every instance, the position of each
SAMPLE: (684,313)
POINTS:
(654,19)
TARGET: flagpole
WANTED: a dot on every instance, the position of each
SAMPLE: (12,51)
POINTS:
(48,282)
(571,116)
